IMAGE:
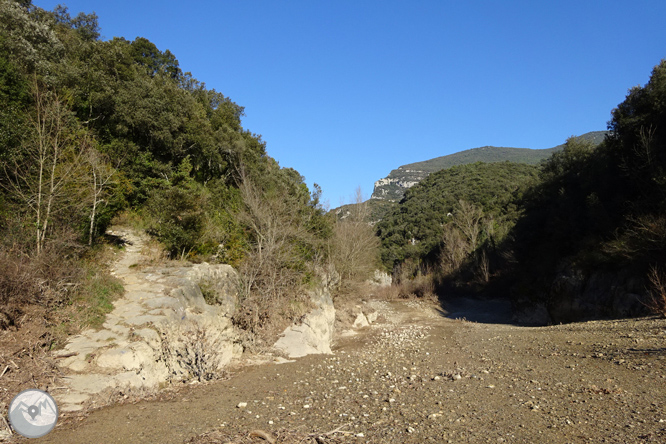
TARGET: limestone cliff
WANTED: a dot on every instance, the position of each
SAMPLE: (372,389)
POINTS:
(393,187)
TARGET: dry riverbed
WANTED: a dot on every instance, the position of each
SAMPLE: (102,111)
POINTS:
(421,375)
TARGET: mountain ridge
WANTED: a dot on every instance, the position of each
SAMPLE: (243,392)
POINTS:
(392,187)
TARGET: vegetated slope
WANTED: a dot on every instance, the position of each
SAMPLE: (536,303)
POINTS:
(122,127)
(593,234)
(413,230)
(587,239)
(394,185)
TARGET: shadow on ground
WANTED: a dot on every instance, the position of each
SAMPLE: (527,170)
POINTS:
(485,311)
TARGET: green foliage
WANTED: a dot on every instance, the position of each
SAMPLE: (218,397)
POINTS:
(414,229)
(414,172)
(603,207)
(127,130)
(176,207)
(14,99)
(95,296)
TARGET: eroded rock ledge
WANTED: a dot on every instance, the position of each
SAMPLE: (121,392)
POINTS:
(174,323)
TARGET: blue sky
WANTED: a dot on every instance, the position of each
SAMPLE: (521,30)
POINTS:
(345,91)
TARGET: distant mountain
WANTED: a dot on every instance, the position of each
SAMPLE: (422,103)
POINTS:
(392,187)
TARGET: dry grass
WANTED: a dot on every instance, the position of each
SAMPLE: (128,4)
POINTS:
(262,320)
(24,358)
(657,301)
(45,299)
(421,287)
(153,254)
(46,280)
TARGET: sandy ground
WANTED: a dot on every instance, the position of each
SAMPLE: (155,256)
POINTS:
(422,373)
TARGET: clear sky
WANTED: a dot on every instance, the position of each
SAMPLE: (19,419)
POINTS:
(344,91)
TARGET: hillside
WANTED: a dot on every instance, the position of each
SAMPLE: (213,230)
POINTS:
(393,186)
(95,130)
(413,228)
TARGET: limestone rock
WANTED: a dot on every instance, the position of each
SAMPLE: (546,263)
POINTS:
(315,334)
(172,323)
(361,321)
(380,279)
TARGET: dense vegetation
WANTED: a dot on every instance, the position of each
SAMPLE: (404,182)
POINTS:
(386,196)
(588,209)
(92,129)
(473,203)
(603,208)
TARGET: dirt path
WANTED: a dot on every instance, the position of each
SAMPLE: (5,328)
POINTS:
(96,360)
(420,375)
(153,334)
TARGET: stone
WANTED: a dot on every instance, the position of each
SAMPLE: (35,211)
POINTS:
(134,357)
(91,383)
(144,319)
(380,279)
(361,321)
(315,334)
(161,329)
(162,302)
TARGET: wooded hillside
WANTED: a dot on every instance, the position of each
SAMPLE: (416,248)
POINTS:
(93,129)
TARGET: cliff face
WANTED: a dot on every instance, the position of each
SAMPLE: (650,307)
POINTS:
(393,187)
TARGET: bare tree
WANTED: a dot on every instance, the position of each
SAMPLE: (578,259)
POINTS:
(454,248)
(468,220)
(44,177)
(462,239)
(275,229)
(657,301)
(355,247)
(101,177)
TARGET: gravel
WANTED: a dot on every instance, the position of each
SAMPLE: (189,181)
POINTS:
(418,376)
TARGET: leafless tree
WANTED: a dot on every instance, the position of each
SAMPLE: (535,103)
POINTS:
(101,178)
(657,301)
(275,229)
(468,220)
(454,248)
(44,178)
(354,248)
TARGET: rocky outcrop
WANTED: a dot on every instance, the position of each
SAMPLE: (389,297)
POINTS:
(575,296)
(393,186)
(199,339)
(173,323)
(314,334)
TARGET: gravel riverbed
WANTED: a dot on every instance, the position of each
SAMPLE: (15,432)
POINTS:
(423,374)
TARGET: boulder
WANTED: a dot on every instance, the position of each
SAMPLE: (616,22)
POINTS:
(361,321)
(380,279)
(314,334)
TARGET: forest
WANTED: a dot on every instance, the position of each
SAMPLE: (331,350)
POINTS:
(591,216)
(95,131)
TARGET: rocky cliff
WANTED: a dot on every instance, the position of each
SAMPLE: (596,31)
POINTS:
(393,187)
